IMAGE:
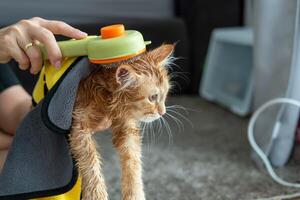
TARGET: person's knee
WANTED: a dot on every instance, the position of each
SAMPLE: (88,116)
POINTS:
(15,103)
(3,156)
(5,141)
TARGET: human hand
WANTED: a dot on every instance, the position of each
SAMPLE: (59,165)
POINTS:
(14,42)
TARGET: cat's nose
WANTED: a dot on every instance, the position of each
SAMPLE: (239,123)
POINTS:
(162,111)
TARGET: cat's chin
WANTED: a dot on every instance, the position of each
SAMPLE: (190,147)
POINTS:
(149,119)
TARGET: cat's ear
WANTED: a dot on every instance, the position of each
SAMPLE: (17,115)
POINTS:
(162,53)
(125,75)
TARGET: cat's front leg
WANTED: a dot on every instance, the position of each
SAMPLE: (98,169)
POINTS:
(83,148)
(127,141)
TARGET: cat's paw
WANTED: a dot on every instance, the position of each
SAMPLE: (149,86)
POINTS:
(138,195)
(95,195)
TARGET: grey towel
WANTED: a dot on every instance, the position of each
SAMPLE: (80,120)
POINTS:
(39,163)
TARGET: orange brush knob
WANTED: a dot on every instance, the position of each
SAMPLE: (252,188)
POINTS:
(112,31)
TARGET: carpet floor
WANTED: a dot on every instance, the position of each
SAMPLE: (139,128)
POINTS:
(209,159)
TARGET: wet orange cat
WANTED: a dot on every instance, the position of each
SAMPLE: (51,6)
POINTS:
(119,97)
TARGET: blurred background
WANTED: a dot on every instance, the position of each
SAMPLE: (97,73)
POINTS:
(233,56)
(187,23)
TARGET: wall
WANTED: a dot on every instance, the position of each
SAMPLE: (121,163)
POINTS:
(81,11)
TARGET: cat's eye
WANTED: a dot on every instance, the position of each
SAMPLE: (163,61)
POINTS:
(153,98)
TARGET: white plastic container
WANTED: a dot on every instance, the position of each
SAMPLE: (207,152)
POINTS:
(227,77)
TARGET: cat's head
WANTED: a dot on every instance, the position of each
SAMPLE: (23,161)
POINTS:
(145,83)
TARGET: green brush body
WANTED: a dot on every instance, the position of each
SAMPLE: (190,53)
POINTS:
(100,49)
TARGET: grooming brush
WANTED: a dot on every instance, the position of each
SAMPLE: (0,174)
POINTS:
(115,44)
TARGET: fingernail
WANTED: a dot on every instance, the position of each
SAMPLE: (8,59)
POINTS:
(57,64)
(23,67)
(32,71)
(84,34)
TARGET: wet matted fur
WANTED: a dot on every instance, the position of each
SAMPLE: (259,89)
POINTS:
(121,98)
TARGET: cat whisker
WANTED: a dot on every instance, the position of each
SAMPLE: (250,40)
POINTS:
(155,130)
(150,129)
(170,63)
(160,127)
(142,126)
(152,134)
(181,115)
(187,110)
(148,136)
(177,121)
(173,88)
(149,132)
(168,129)
(181,75)
(178,107)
